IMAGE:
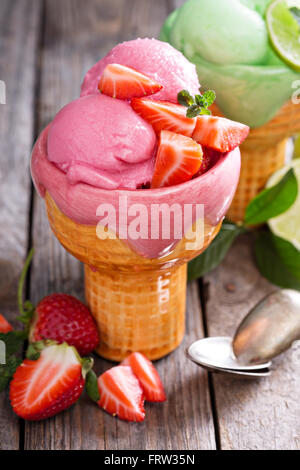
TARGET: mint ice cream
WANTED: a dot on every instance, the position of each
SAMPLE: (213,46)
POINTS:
(228,42)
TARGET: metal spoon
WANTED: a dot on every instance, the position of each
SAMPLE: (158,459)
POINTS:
(216,355)
(269,329)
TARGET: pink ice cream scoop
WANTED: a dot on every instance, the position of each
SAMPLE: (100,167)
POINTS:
(156,59)
(101,141)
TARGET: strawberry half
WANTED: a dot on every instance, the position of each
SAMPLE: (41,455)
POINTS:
(219,133)
(147,375)
(44,387)
(63,318)
(121,394)
(163,115)
(125,83)
(178,159)
(5,327)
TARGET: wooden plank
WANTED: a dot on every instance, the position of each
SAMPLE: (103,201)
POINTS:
(19,32)
(260,414)
(74,39)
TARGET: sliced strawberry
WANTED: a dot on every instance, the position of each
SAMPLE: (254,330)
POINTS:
(147,375)
(121,394)
(5,327)
(209,159)
(48,385)
(219,133)
(163,115)
(178,159)
(125,83)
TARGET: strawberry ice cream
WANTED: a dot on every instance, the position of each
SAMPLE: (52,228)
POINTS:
(101,141)
(156,59)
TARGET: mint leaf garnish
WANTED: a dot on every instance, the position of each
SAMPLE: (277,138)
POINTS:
(296,14)
(209,97)
(198,105)
(184,98)
(193,111)
(273,201)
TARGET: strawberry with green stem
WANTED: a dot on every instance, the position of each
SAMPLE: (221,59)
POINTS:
(59,317)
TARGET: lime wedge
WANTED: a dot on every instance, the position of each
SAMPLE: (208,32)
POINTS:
(283,18)
(287,225)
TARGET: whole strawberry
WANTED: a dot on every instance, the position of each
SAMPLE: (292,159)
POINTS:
(50,383)
(63,318)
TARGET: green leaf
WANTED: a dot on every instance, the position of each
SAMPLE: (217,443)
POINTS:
(209,97)
(185,98)
(276,265)
(288,254)
(205,111)
(91,385)
(200,100)
(13,341)
(215,253)
(296,14)
(273,201)
(193,111)
(7,370)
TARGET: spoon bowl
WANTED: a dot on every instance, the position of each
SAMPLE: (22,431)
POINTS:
(216,353)
(269,329)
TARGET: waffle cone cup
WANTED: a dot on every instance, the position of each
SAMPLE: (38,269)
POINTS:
(263,153)
(138,303)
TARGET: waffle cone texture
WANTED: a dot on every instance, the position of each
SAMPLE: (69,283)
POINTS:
(263,153)
(138,303)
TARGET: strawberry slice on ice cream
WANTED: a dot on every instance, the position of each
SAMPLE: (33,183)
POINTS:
(178,159)
(219,133)
(125,83)
(163,115)
(121,394)
(42,388)
(5,326)
(147,375)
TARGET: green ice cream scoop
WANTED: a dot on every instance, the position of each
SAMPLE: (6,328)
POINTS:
(228,41)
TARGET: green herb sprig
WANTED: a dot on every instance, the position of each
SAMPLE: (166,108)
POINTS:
(197,105)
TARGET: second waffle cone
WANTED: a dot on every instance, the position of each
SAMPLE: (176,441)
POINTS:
(263,153)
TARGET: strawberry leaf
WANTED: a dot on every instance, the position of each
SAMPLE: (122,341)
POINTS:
(91,385)
(13,341)
(7,370)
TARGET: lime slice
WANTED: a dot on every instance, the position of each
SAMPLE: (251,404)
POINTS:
(287,225)
(284,30)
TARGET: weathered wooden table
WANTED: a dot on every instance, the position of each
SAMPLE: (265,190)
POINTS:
(45,49)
